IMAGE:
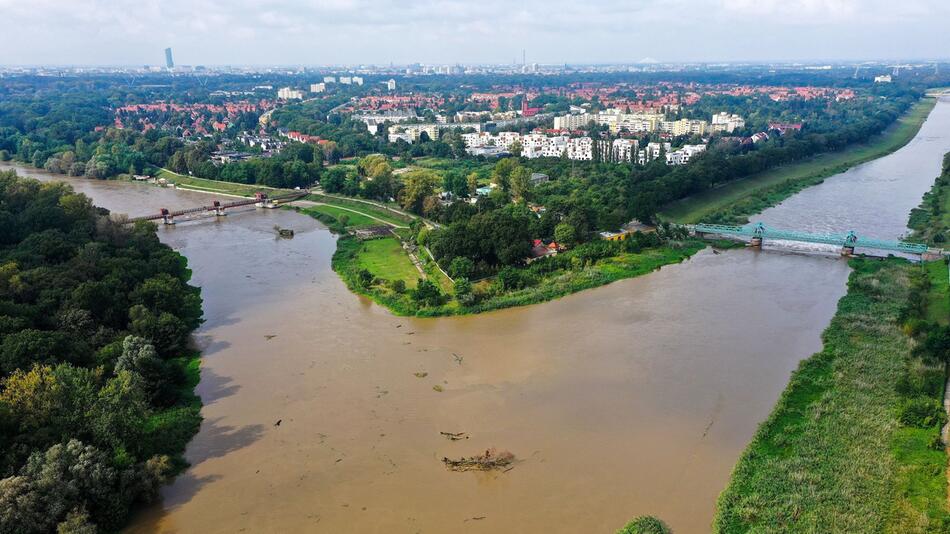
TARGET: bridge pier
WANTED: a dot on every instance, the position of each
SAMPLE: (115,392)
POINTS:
(218,209)
(847,250)
(167,217)
(756,242)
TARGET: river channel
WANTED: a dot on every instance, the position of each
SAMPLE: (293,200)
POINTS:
(634,398)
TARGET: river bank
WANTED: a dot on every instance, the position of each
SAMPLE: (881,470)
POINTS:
(850,444)
(854,444)
(735,201)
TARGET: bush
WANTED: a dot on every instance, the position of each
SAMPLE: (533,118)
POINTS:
(645,525)
(922,412)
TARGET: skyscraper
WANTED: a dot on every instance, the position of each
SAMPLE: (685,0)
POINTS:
(168,59)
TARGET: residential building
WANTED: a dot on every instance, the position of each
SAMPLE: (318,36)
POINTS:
(684,127)
(886,78)
(329,79)
(345,80)
(634,122)
(723,122)
(318,87)
(286,93)
(624,149)
(684,154)
(357,80)
(572,122)
(391,85)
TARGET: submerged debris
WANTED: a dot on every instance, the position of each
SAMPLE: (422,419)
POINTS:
(489,461)
(284,232)
(421,374)
(437,388)
(455,436)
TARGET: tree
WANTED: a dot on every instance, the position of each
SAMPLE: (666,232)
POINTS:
(516,148)
(461,267)
(471,183)
(520,181)
(418,186)
(427,294)
(501,173)
(565,235)
(463,291)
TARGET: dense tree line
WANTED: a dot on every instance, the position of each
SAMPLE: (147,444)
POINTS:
(95,401)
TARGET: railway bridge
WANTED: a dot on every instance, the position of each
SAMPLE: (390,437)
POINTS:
(757,233)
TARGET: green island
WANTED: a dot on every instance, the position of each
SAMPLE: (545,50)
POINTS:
(733,202)
(97,373)
(854,443)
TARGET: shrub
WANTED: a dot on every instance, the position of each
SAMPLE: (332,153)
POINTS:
(645,525)
(922,412)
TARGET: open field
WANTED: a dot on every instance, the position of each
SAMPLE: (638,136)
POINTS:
(752,194)
(838,453)
(385,258)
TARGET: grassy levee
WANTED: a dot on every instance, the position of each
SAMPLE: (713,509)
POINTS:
(839,452)
(380,211)
(210,186)
(736,200)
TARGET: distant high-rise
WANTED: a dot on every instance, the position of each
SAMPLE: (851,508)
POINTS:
(169,62)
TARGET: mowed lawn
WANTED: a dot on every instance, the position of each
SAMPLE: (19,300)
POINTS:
(385,258)
(693,209)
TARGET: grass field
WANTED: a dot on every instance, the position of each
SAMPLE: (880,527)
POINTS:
(834,456)
(752,194)
(354,220)
(213,186)
(385,258)
(389,215)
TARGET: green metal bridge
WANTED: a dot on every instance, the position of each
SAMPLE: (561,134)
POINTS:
(759,232)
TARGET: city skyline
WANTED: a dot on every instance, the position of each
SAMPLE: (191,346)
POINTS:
(352,32)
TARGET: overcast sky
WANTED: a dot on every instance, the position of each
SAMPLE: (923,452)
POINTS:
(320,32)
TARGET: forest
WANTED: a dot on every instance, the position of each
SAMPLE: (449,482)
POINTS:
(96,370)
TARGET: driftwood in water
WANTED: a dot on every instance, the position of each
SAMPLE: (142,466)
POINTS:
(492,459)
(455,436)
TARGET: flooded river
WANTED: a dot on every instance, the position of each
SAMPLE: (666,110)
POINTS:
(634,398)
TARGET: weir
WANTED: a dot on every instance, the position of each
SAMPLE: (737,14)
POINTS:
(217,208)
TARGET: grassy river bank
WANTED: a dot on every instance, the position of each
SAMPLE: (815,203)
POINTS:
(736,200)
(854,442)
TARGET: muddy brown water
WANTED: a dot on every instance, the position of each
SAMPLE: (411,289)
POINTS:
(634,398)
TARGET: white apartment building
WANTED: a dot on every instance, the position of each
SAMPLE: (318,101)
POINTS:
(329,79)
(886,78)
(636,122)
(416,130)
(357,80)
(580,148)
(478,139)
(572,122)
(286,93)
(723,122)
(624,149)
(652,152)
(684,154)
(318,87)
(346,80)
(684,127)
(506,139)
(391,85)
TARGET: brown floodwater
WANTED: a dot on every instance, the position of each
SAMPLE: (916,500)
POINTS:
(634,398)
